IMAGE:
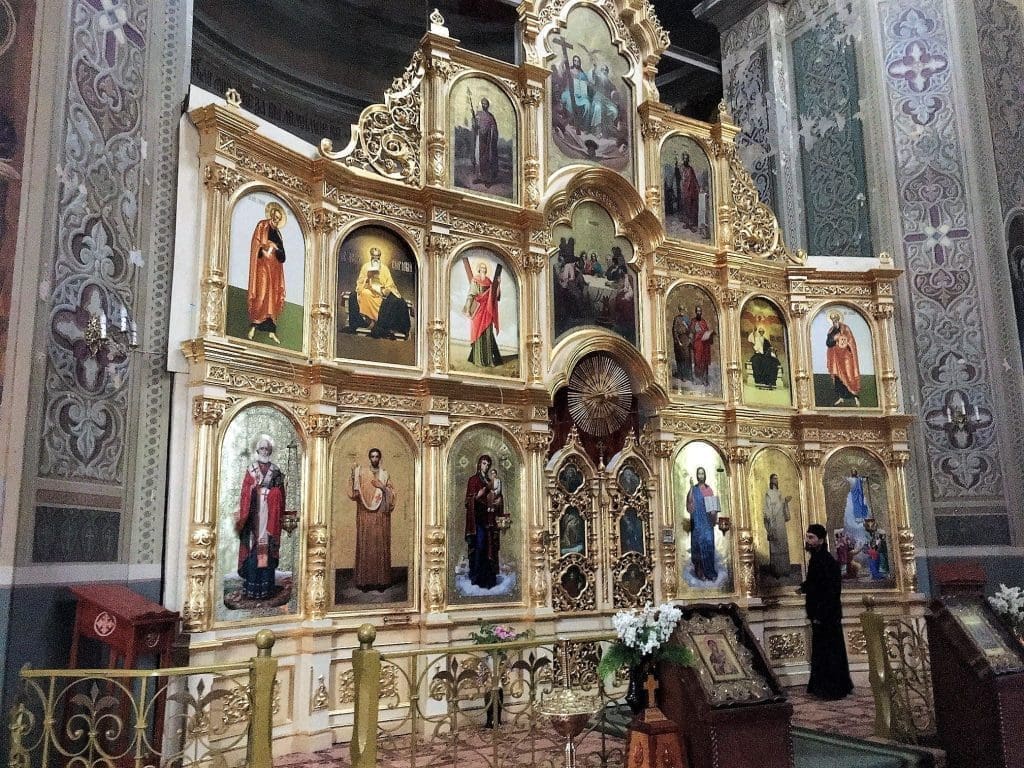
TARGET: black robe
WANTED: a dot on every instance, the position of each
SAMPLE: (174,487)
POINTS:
(830,670)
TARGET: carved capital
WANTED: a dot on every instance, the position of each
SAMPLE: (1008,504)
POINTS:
(652,128)
(738,454)
(897,458)
(222,178)
(436,435)
(810,458)
(535,262)
(207,411)
(324,220)
(537,442)
(530,95)
(440,245)
(321,425)
(658,283)
(653,198)
(731,297)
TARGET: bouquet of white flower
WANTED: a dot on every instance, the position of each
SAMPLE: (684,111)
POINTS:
(643,637)
(1008,603)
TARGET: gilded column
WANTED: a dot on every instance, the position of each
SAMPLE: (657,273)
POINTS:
(439,247)
(813,499)
(537,443)
(325,222)
(802,360)
(652,128)
(435,436)
(439,68)
(739,456)
(223,181)
(661,448)
(731,334)
(882,309)
(320,427)
(656,287)
(530,93)
(535,259)
(207,413)
(897,460)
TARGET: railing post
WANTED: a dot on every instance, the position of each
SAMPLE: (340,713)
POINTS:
(873,625)
(19,724)
(366,669)
(261,682)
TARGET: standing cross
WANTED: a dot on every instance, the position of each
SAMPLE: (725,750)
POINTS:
(651,686)
(565,45)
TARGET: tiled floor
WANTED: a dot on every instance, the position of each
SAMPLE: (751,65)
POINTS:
(852,716)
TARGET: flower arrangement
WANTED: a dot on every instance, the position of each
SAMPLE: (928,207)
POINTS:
(489,634)
(643,638)
(1008,603)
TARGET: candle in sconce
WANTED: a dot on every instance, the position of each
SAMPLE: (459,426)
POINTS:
(977,414)
(949,415)
(133,338)
(103,325)
(124,320)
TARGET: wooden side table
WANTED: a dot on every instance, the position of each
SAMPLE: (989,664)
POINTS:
(131,627)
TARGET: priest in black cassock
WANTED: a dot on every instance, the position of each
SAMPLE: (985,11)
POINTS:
(830,670)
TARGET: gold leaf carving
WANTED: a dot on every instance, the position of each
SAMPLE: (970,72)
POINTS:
(483,229)
(374,206)
(488,410)
(207,411)
(387,140)
(379,401)
(786,646)
(271,172)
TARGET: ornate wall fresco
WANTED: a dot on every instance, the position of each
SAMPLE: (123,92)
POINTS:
(831,142)
(938,238)
(747,91)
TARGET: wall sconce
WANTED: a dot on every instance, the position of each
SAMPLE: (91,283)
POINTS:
(120,336)
(959,419)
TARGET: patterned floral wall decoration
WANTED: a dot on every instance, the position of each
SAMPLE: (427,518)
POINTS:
(831,141)
(747,92)
(939,247)
(1000,26)
(97,265)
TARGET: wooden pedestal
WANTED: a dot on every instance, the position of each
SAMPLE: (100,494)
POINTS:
(978,679)
(653,740)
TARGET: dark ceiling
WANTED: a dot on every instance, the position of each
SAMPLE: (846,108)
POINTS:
(311,66)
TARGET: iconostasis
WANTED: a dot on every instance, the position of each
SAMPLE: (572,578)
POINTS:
(528,348)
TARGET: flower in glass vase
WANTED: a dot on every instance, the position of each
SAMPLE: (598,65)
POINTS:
(642,642)
(1008,603)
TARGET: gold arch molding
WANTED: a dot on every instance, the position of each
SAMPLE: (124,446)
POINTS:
(571,186)
(577,345)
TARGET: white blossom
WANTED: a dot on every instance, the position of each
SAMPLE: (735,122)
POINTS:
(646,630)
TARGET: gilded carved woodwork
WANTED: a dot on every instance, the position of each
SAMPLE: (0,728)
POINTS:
(787,646)
(387,139)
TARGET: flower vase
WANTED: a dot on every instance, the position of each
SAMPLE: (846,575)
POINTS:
(636,693)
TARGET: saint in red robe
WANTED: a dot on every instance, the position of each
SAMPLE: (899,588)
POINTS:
(841,359)
(260,510)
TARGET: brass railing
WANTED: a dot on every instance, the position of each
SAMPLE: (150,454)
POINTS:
(899,670)
(477,702)
(218,715)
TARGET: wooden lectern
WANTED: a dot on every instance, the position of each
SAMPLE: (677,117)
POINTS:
(978,679)
(729,706)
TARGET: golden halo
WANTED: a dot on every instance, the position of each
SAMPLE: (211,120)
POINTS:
(275,206)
